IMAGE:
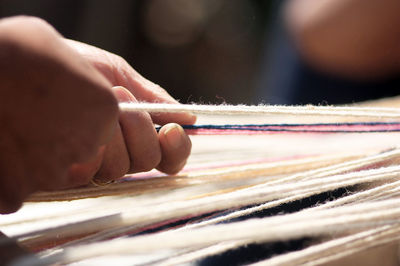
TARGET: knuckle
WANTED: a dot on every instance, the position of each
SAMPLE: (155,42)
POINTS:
(119,60)
(24,19)
(22,36)
(118,64)
(20,25)
(34,22)
(158,88)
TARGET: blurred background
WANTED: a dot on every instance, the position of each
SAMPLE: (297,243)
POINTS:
(205,51)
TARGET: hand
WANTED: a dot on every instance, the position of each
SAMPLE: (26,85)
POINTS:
(58,115)
(55,110)
(135,146)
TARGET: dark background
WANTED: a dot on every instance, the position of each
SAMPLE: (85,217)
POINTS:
(203,51)
(199,50)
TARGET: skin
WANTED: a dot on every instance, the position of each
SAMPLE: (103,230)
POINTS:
(353,38)
(60,123)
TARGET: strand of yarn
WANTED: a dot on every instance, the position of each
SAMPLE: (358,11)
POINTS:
(314,255)
(337,248)
(218,202)
(263,110)
(390,188)
(332,221)
(250,129)
(385,189)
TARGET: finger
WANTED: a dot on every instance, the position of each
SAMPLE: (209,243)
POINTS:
(147,91)
(140,136)
(117,71)
(116,162)
(175,148)
(179,118)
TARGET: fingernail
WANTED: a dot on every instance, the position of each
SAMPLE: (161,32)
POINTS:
(174,135)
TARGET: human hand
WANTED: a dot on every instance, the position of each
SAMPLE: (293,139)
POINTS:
(135,146)
(59,122)
(56,110)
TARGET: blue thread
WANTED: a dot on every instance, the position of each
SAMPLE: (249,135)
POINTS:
(291,127)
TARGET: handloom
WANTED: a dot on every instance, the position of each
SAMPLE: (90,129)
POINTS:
(288,185)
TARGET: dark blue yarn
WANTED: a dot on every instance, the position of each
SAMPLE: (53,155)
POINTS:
(292,127)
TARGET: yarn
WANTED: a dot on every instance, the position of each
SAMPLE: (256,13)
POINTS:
(153,219)
(380,112)
(249,129)
(341,219)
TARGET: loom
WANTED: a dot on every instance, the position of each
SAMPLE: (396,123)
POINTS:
(317,192)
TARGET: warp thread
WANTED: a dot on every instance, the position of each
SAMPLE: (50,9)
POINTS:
(337,111)
(250,129)
(313,222)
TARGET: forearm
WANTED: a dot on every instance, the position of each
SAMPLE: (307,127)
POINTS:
(358,38)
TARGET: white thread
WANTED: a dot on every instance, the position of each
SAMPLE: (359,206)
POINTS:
(330,170)
(337,248)
(263,110)
(219,202)
(275,228)
(314,255)
(271,193)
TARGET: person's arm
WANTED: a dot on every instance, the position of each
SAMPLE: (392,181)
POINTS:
(356,38)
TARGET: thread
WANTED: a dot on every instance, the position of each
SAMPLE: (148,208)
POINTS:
(234,190)
(337,248)
(199,176)
(314,255)
(250,129)
(314,174)
(380,112)
(141,216)
(296,225)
